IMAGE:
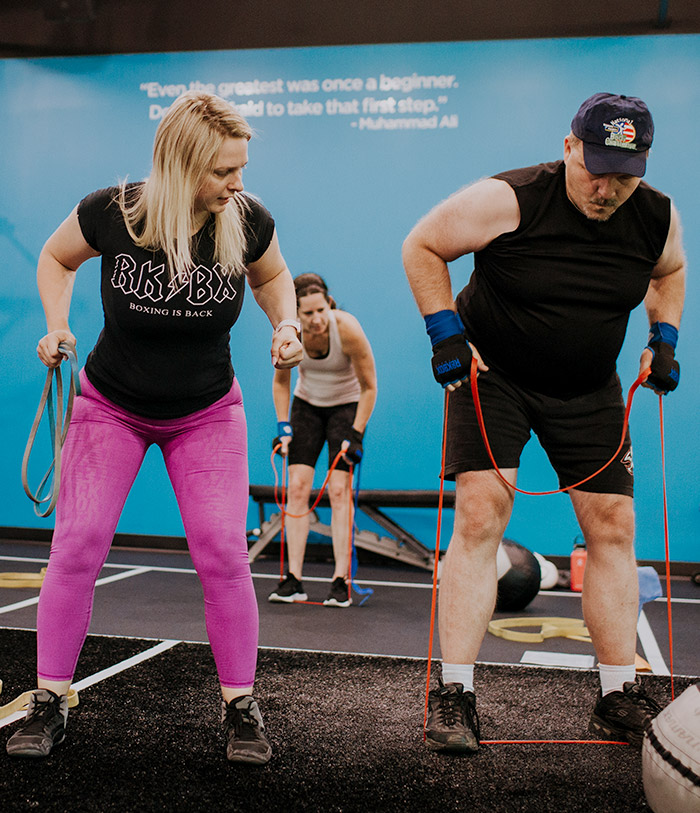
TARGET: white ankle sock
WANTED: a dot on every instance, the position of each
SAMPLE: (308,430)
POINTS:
(612,678)
(459,673)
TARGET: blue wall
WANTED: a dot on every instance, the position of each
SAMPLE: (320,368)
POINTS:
(344,194)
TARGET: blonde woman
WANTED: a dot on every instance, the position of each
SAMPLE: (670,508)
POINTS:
(333,400)
(176,251)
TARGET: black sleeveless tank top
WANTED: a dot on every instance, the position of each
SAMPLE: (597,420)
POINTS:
(548,304)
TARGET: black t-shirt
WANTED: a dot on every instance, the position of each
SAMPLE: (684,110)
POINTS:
(164,349)
(548,304)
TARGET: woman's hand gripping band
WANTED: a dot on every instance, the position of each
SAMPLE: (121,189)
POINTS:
(352,446)
(452,353)
(665,370)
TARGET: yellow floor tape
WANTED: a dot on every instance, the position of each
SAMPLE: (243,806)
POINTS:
(572,628)
(641,665)
(552,627)
(34,580)
(21,702)
(26,580)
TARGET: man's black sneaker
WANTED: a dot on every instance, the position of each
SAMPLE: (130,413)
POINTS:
(288,590)
(453,724)
(623,715)
(339,595)
(43,727)
(245,732)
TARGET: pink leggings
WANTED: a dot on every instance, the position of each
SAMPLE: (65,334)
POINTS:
(206,457)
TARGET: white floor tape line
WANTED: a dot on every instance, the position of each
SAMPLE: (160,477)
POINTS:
(137,571)
(545,658)
(193,572)
(122,666)
(652,653)
(275,577)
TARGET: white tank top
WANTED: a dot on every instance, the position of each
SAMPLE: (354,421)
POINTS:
(329,381)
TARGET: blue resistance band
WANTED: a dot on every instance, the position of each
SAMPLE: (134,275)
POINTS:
(361,591)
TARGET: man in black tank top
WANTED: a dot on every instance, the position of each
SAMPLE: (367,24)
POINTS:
(563,252)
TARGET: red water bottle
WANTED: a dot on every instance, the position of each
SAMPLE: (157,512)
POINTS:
(578,564)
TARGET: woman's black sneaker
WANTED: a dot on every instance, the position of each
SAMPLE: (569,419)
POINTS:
(623,715)
(453,724)
(245,732)
(43,727)
(290,589)
(339,595)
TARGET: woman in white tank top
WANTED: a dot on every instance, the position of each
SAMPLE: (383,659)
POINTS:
(333,400)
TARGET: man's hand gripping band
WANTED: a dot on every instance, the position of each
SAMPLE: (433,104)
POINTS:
(452,353)
(665,370)
(284,430)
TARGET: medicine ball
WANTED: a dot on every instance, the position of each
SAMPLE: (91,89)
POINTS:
(519,576)
(671,756)
(549,571)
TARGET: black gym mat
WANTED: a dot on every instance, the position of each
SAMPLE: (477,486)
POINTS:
(346,732)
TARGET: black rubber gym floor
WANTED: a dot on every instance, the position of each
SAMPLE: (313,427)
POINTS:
(344,719)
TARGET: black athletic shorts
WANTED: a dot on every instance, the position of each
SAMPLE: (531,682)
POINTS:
(578,434)
(312,426)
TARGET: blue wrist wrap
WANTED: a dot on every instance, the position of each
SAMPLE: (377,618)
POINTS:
(284,429)
(663,332)
(442,325)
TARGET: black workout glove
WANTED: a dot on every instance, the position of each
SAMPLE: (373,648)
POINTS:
(354,450)
(665,370)
(452,358)
(452,355)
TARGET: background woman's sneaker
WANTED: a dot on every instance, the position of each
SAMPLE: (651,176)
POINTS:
(288,590)
(339,595)
(43,727)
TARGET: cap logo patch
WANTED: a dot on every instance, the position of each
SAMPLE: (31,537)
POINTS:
(622,134)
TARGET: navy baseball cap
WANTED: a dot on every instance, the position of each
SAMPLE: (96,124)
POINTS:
(616,132)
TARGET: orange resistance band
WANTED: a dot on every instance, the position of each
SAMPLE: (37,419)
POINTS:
(436,559)
(285,513)
(480,418)
(666,543)
(320,493)
(475,394)
(553,742)
(282,505)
